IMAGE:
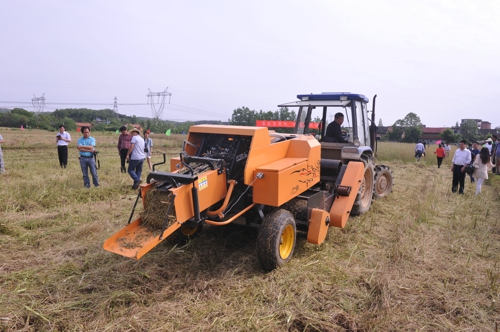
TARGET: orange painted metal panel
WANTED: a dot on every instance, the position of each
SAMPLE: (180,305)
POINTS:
(134,241)
(264,155)
(212,187)
(318,228)
(173,163)
(260,134)
(342,205)
(283,180)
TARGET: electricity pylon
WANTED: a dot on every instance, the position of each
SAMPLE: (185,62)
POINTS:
(38,103)
(158,111)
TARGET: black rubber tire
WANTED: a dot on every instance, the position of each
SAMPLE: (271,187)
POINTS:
(186,233)
(365,194)
(383,181)
(276,240)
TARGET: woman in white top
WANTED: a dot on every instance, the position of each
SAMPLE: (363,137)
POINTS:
(481,164)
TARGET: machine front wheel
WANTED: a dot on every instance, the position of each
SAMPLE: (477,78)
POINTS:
(364,198)
(276,239)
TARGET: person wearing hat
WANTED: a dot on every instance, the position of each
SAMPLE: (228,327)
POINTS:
(488,144)
(135,157)
(148,147)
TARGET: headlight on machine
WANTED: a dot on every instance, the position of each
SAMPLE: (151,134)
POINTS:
(356,143)
(350,150)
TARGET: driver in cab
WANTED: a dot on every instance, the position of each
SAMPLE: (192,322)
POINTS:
(333,131)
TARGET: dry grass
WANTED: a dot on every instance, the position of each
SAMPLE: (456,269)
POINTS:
(422,259)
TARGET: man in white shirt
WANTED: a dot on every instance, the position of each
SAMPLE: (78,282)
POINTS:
(135,157)
(62,140)
(419,150)
(461,158)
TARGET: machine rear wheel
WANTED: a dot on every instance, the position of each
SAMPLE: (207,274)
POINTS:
(364,198)
(383,181)
(276,239)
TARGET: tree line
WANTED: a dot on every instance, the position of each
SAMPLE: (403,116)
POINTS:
(409,130)
(101,120)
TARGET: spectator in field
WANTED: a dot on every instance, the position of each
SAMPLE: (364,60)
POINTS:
(86,146)
(497,159)
(62,139)
(148,147)
(461,158)
(135,156)
(123,146)
(474,151)
(440,154)
(481,164)
(419,150)
(334,131)
(447,148)
(494,152)
(2,165)
(488,145)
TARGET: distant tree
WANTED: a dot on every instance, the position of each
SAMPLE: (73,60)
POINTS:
(411,120)
(449,136)
(469,130)
(408,129)
(243,116)
(284,114)
(412,135)
(396,134)
(23,112)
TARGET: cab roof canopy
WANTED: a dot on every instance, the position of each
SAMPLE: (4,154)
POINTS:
(335,99)
(333,96)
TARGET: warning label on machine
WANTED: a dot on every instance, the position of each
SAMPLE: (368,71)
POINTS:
(202,183)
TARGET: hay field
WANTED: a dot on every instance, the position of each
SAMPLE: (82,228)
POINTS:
(422,259)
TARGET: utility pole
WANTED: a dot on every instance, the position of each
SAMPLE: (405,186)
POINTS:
(157,111)
(38,103)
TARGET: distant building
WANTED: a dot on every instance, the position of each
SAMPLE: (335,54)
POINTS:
(79,125)
(483,127)
(431,134)
(480,123)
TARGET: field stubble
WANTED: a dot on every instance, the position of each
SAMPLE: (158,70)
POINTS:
(421,259)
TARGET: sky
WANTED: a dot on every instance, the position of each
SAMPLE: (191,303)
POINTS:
(438,59)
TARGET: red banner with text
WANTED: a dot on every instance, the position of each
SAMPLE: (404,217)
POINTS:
(282,124)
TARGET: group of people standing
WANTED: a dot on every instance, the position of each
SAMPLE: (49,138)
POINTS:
(480,160)
(132,148)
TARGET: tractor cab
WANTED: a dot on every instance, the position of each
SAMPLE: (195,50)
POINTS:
(317,111)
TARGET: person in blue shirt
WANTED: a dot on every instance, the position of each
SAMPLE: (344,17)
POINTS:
(86,146)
